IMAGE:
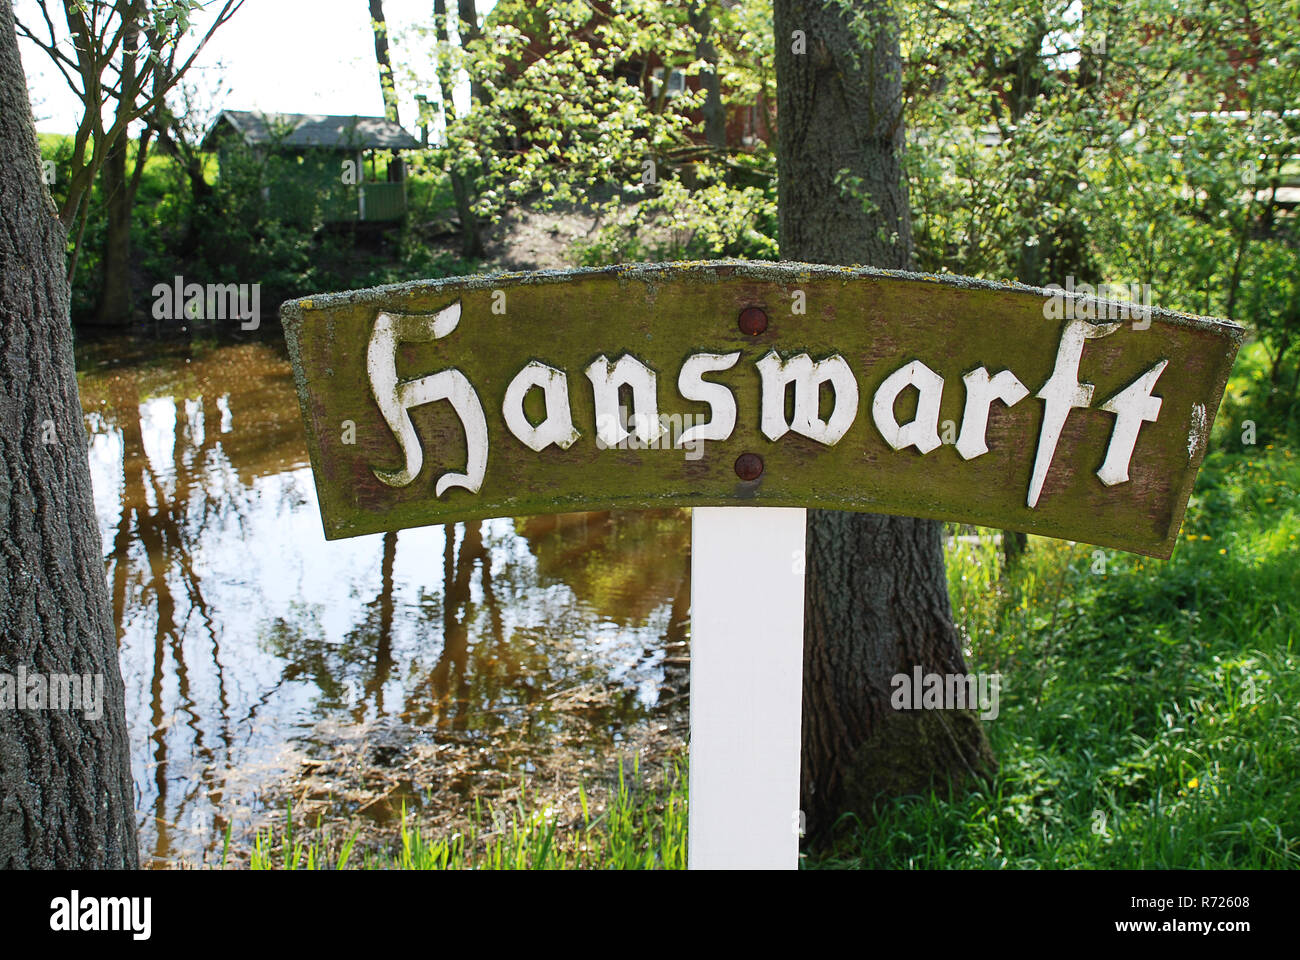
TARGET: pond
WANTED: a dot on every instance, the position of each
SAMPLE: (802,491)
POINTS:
(421,670)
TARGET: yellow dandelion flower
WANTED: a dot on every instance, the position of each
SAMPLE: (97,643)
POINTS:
(1205,536)
(1221,550)
(1193,783)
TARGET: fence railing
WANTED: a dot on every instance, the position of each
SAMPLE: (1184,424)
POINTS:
(381,201)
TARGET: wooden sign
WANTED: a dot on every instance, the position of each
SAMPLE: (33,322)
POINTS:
(730,384)
(756,384)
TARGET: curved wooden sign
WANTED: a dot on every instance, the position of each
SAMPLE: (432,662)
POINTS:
(756,384)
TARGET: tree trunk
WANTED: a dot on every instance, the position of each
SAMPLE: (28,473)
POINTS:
(877,597)
(1014,545)
(114,307)
(65,779)
(471,237)
(170,138)
(715,113)
(469,30)
(380,27)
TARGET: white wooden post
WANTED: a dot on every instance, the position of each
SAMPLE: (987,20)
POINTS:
(746,687)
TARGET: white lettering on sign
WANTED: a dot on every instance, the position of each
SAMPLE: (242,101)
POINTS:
(397,397)
(557,426)
(722,402)
(606,380)
(981,391)
(807,378)
(1131,406)
(923,430)
(1061,393)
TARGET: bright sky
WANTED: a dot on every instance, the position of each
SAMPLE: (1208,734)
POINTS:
(285,56)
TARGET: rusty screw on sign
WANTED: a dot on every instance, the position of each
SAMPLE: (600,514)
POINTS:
(753,321)
(749,466)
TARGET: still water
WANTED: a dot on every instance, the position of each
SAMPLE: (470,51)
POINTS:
(251,647)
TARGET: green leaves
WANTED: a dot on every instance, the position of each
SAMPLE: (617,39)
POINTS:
(572,113)
(1144,141)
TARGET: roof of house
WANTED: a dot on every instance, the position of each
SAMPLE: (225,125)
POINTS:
(305,130)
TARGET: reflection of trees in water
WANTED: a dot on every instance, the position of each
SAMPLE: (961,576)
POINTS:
(478,671)
(620,563)
(363,659)
(477,666)
(154,514)
(167,509)
(621,566)
(493,666)
(383,657)
(452,670)
(487,676)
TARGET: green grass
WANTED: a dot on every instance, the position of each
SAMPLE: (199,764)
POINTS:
(1150,710)
(640,828)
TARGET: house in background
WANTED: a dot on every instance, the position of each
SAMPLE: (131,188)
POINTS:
(330,163)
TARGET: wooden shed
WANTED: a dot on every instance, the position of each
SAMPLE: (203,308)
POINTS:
(352,166)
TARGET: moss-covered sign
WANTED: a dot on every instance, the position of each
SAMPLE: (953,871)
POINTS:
(729,383)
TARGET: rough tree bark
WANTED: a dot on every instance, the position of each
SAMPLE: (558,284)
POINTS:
(65,780)
(877,597)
